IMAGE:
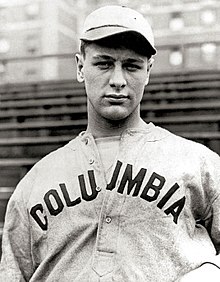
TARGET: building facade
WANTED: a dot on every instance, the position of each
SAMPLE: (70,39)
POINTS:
(187,35)
(36,29)
(187,32)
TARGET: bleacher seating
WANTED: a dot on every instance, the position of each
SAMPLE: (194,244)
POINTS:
(36,118)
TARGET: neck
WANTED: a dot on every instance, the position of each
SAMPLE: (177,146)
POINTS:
(100,127)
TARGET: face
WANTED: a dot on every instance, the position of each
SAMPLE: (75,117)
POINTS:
(114,81)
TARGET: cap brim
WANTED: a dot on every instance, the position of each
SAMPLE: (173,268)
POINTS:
(103,32)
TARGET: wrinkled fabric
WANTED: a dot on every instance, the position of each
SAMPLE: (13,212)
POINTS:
(153,217)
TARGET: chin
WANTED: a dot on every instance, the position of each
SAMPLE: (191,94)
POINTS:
(116,116)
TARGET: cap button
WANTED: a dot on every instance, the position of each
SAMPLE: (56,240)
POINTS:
(98,188)
(108,219)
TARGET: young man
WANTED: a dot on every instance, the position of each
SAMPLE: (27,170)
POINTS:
(125,200)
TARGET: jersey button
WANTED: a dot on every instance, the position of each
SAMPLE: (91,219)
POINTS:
(108,219)
(91,161)
(98,189)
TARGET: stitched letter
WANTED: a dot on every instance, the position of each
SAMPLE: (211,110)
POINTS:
(152,187)
(82,183)
(47,198)
(137,181)
(178,205)
(36,217)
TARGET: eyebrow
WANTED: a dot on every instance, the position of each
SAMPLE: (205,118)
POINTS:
(138,60)
(129,60)
(103,57)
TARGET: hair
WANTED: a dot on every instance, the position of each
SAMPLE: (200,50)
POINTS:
(128,40)
(83,45)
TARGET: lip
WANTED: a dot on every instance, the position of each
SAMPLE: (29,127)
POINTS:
(116,98)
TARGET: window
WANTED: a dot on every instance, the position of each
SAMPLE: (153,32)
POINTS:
(3,15)
(32,43)
(208,17)
(2,68)
(31,71)
(4,45)
(176,22)
(208,51)
(176,57)
(32,10)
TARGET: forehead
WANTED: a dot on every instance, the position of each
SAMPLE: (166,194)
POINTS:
(95,51)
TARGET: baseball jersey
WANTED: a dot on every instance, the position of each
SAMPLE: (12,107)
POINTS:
(154,217)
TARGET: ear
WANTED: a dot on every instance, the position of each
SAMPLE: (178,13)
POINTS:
(149,67)
(79,64)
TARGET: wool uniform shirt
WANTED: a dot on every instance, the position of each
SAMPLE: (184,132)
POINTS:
(154,217)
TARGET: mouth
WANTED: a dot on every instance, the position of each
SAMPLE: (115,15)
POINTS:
(116,98)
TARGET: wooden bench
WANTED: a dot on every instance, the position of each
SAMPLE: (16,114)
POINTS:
(153,89)
(59,93)
(35,147)
(65,127)
(155,78)
(167,82)
(184,76)
(197,108)
(78,113)
(13,169)
(71,111)
(17,162)
(60,140)
(23,141)
(37,125)
(42,128)
(43,103)
(51,85)
(5,194)
(81,123)
(31,146)
(186,119)
(13,150)
(79,97)
(46,113)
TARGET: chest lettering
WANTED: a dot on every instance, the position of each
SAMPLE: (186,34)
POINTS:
(56,199)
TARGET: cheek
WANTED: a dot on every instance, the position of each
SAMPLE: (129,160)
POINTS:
(90,82)
(93,79)
(137,85)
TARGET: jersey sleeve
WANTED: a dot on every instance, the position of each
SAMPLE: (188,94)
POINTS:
(16,262)
(211,186)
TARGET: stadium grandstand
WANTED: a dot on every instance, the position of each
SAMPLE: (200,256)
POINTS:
(42,106)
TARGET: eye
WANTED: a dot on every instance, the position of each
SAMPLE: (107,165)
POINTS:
(103,65)
(131,67)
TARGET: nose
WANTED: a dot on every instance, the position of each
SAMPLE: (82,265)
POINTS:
(117,79)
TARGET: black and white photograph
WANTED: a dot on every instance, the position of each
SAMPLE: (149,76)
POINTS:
(109,140)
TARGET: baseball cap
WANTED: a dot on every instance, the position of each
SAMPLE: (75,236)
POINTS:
(111,20)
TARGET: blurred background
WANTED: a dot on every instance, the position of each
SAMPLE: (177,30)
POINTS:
(42,106)
(39,37)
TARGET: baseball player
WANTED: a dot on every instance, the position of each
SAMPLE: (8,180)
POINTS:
(124,201)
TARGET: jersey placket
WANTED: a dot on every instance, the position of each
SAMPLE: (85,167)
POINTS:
(107,236)
(93,163)
(108,205)
(105,254)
